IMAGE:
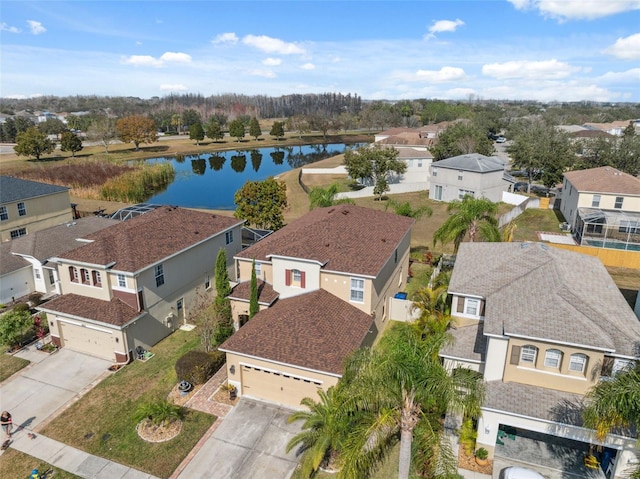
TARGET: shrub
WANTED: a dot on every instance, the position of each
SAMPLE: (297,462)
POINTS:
(14,325)
(482,453)
(197,366)
(21,307)
(468,435)
(35,299)
(160,412)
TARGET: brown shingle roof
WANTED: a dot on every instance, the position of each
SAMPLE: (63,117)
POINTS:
(345,238)
(316,331)
(604,179)
(538,291)
(266,293)
(114,312)
(142,241)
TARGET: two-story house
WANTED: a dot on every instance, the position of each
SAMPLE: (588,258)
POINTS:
(324,286)
(473,174)
(24,262)
(27,206)
(602,207)
(543,326)
(132,284)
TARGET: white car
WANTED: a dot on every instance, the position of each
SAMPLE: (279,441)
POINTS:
(501,139)
(515,472)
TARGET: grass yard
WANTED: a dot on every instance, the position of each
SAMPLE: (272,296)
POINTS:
(15,464)
(10,365)
(101,421)
(533,220)
(389,467)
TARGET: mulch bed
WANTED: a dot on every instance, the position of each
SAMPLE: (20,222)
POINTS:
(177,398)
(153,433)
(222,396)
(469,463)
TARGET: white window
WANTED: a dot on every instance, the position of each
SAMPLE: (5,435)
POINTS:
(472,307)
(552,358)
(460,175)
(578,363)
(159,273)
(528,354)
(207,282)
(228,237)
(37,272)
(619,201)
(22,209)
(462,193)
(419,163)
(297,277)
(437,192)
(18,233)
(258,270)
(595,201)
(434,172)
(357,290)
(4,215)
(122,281)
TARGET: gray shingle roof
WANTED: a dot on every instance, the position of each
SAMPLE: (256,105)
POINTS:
(54,241)
(10,262)
(604,179)
(472,162)
(541,292)
(469,342)
(16,189)
(345,238)
(316,330)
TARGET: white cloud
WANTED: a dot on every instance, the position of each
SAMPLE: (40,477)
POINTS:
(6,28)
(173,87)
(36,27)
(546,69)
(176,57)
(308,66)
(262,73)
(626,48)
(457,93)
(632,75)
(271,62)
(444,26)
(445,74)
(149,61)
(272,45)
(230,38)
(577,9)
(138,43)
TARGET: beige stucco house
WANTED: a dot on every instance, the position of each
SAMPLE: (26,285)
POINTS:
(27,206)
(543,326)
(473,174)
(602,206)
(324,290)
(132,284)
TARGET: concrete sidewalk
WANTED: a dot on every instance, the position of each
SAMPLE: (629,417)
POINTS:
(73,460)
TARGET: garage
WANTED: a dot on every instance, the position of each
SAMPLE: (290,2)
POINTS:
(86,339)
(276,386)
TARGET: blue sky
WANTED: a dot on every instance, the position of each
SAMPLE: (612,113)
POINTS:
(546,50)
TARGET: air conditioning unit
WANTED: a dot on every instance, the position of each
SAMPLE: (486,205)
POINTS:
(565,226)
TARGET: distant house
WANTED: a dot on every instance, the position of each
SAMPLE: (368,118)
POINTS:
(543,326)
(602,207)
(614,128)
(27,206)
(134,283)
(325,282)
(472,174)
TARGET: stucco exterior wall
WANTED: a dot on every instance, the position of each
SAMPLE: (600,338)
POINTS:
(490,185)
(41,212)
(560,378)
(496,357)
(340,286)
(16,284)
(312,276)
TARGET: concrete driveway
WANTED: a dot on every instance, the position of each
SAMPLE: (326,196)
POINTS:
(249,444)
(47,384)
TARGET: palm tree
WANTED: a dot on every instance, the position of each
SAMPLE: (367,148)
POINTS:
(434,310)
(398,385)
(325,426)
(615,403)
(322,197)
(471,216)
(405,209)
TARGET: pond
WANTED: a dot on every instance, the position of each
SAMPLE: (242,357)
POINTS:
(210,180)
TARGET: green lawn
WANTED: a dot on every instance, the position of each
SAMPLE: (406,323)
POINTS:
(10,365)
(389,467)
(533,220)
(101,421)
(15,464)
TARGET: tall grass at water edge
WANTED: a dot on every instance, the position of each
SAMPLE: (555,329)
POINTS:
(138,185)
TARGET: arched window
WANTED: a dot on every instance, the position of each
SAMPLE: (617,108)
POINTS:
(552,358)
(578,363)
(97,278)
(73,274)
(86,277)
(528,354)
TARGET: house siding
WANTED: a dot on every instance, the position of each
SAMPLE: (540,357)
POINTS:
(489,185)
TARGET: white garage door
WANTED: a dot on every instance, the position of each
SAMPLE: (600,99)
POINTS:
(277,387)
(86,340)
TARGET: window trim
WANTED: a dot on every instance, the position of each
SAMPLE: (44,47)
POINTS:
(122,280)
(527,351)
(583,357)
(22,209)
(4,213)
(207,282)
(97,278)
(159,274)
(228,237)
(258,269)
(619,201)
(85,276)
(18,233)
(468,302)
(437,193)
(73,274)
(357,288)
(595,201)
(548,358)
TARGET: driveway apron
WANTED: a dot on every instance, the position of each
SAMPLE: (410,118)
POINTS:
(249,444)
